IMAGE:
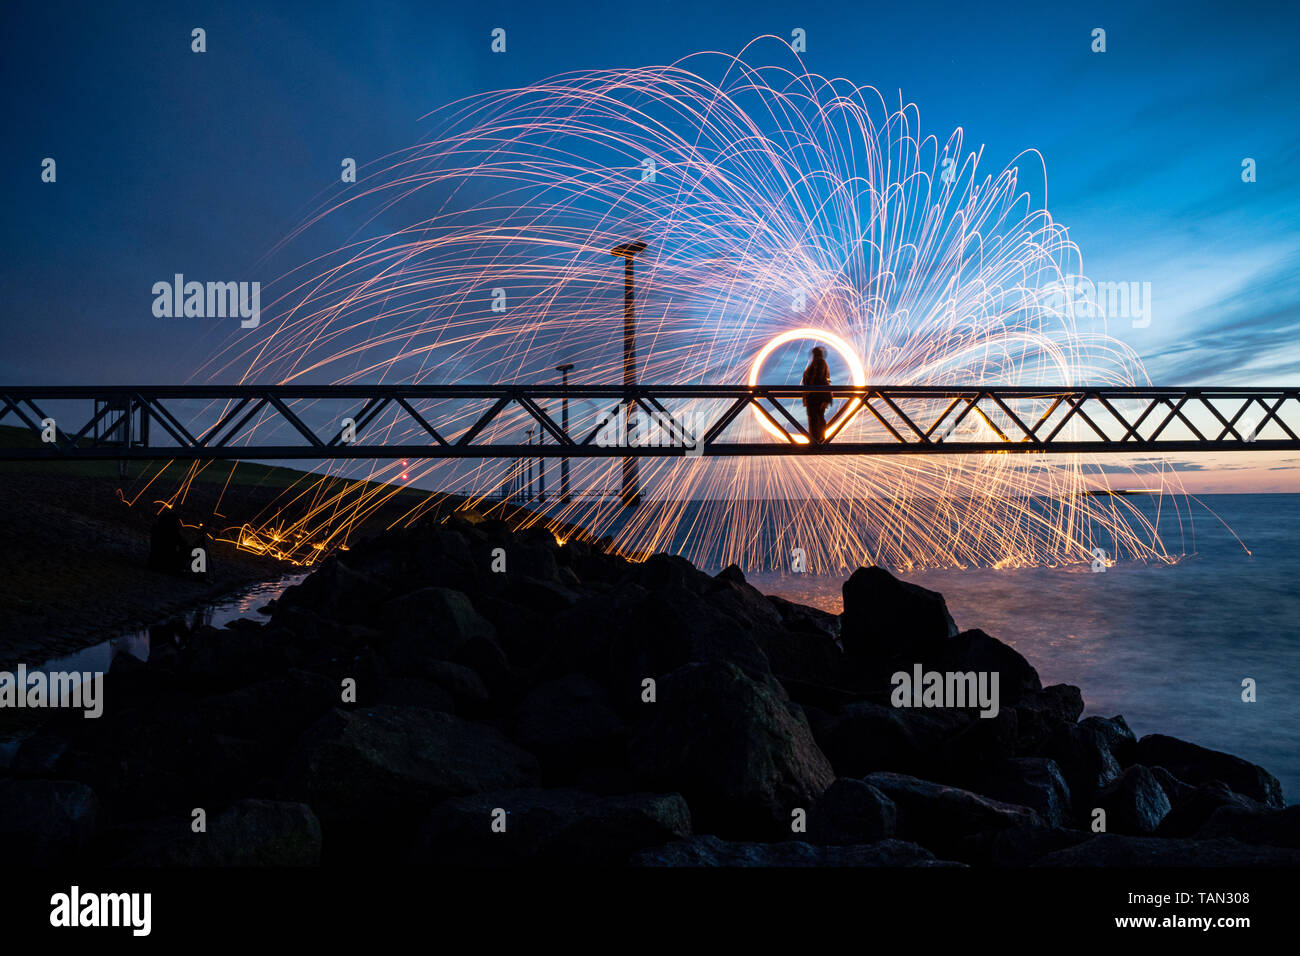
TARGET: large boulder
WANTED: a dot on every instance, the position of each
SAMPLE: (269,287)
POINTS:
(885,618)
(1120,740)
(568,723)
(709,851)
(865,737)
(366,763)
(1194,807)
(743,758)
(795,639)
(1017,846)
(1115,851)
(940,817)
(1256,826)
(251,832)
(1038,715)
(1085,760)
(1196,765)
(976,651)
(630,633)
(807,620)
(411,692)
(433,623)
(1134,802)
(275,710)
(45,823)
(985,741)
(549,827)
(850,813)
(1034,782)
(338,591)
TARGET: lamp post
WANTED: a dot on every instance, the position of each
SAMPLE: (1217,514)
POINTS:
(528,464)
(564,420)
(631,494)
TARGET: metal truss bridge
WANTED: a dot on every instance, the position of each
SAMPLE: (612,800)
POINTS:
(632,421)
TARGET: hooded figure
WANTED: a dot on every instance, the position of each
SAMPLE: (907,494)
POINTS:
(816,403)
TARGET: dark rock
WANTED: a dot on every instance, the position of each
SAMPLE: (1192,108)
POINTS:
(1112,850)
(384,759)
(1120,740)
(1134,802)
(483,656)
(1174,788)
(219,658)
(1034,782)
(550,827)
(976,651)
(667,572)
(337,591)
(939,817)
(1195,805)
(1060,701)
(45,823)
(806,655)
(1085,761)
(149,761)
(431,624)
(731,574)
(1038,715)
(1017,846)
(1260,827)
(568,723)
(806,620)
(711,851)
(888,618)
(275,710)
(251,832)
(465,686)
(867,737)
(983,742)
(851,812)
(412,692)
(1196,765)
(743,759)
(629,634)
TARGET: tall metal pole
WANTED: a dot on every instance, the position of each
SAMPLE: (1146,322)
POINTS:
(528,494)
(564,419)
(631,494)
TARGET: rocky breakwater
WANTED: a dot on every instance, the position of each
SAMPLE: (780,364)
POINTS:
(461,694)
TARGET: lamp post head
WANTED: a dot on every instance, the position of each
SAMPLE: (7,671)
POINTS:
(628,249)
(567,367)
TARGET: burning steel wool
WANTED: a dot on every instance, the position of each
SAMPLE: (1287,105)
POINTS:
(780,210)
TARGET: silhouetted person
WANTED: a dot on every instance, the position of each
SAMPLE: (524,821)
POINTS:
(168,550)
(816,403)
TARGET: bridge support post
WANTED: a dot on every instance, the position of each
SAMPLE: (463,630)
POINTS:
(564,418)
(631,493)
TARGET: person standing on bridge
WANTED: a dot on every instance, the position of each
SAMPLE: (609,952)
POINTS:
(816,403)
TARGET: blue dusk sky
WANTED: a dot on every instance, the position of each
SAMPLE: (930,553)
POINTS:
(174,162)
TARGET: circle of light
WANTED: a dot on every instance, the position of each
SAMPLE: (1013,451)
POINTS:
(856,372)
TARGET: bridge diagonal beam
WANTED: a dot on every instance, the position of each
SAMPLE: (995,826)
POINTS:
(419,420)
(680,433)
(1271,413)
(785,412)
(1015,419)
(724,420)
(484,420)
(543,420)
(884,422)
(225,419)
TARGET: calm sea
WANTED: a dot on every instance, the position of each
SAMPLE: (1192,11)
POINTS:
(1167,646)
